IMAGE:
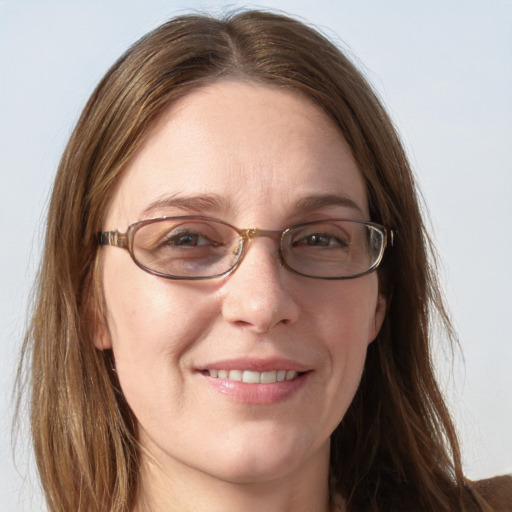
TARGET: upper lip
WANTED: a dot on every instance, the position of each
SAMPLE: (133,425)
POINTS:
(256,365)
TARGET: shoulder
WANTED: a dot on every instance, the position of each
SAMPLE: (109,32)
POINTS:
(496,492)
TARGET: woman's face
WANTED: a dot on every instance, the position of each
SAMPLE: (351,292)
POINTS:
(253,156)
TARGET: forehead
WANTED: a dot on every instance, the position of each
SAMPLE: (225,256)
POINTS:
(251,150)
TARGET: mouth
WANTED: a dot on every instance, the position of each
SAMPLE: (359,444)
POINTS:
(254,377)
(256,381)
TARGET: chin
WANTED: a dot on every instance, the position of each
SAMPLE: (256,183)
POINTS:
(259,462)
(256,472)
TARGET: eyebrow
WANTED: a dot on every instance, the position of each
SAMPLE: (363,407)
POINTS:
(317,201)
(214,203)
(196,203)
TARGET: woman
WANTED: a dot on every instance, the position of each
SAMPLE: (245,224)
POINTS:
(235,298)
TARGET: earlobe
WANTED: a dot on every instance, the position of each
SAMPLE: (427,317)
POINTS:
(95,308)
(101,338)
(378,317)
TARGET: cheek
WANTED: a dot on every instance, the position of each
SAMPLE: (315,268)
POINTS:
(143,306)
(349,312)
(152,323)
(343,319)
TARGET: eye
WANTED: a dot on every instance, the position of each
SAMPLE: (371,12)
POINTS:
(187,238)
(320,240)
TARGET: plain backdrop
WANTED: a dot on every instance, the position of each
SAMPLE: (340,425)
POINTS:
(444,71)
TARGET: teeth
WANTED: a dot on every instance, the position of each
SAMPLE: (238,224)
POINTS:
(252,377)
(235,375)
(268,377)
(290,374)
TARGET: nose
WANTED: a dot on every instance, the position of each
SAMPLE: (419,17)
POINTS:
(254,295)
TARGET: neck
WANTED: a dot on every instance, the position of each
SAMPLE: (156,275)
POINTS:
(178,487)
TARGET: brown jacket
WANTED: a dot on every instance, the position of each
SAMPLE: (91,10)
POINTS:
(496,492)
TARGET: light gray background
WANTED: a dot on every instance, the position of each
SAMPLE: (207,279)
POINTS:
(444,70)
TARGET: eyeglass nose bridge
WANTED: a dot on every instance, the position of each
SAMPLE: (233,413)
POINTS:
(250,233)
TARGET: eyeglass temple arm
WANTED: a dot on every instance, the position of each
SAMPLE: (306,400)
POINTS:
(392,234)
(112,238)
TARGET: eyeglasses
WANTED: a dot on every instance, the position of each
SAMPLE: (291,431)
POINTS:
(193,247)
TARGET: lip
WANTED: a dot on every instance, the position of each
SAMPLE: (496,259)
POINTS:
(256,365)
(256,394)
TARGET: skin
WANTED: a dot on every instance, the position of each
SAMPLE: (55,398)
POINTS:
(259,150)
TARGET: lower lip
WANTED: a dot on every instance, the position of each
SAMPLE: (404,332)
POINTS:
(257,394)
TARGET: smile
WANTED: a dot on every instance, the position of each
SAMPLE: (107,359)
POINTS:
(254,377)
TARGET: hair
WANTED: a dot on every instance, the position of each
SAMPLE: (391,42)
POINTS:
(396,447)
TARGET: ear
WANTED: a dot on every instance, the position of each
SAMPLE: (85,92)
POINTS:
(99,327)
(101,335)
(94,316)
(378,317)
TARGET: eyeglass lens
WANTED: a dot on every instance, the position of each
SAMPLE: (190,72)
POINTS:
(205,248)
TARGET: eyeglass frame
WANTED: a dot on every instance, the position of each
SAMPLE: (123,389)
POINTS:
(125,241)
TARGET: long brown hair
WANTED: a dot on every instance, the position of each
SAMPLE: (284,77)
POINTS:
(396,448)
